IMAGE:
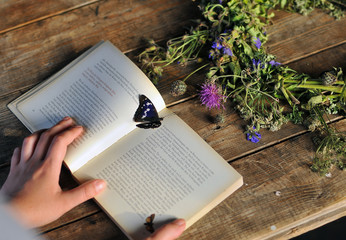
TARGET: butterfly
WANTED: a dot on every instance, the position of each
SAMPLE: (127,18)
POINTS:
(149,223)
(147,114)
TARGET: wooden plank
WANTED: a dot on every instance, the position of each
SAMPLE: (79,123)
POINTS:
(325,216)
(90,228)
(303,36)
(321,62)
(35,52)
(255,211)
(23,12)
(285,25)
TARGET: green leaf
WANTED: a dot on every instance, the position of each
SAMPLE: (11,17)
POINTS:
(253,31)
(247,49)
(238,17)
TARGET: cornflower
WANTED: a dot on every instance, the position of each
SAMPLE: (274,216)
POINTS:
(257,63)
(253,136)
(273,63)
(258,43)
(227,51)
(217,45)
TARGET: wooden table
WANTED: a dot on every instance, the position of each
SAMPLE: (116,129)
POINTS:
(40,37)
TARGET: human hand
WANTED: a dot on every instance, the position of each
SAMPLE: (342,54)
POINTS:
(33,182)
(169,231)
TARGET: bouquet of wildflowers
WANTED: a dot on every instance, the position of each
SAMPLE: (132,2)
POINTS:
(228,45)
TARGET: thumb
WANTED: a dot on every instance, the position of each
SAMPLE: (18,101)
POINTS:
(169,231)
(83,192)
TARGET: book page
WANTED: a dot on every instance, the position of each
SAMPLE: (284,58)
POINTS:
(100,92)
(169,171)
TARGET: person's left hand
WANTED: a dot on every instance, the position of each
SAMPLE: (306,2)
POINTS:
(33,182)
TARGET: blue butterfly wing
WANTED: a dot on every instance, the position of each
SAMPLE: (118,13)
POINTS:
(147,114)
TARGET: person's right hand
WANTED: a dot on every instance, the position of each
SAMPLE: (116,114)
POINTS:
(169,231)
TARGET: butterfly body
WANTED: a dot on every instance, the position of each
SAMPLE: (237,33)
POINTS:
(149,223)
(146,114)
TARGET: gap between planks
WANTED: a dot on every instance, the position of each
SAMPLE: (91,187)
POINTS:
(70,222)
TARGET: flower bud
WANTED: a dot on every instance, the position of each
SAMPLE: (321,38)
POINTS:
(150,49)
(219,118)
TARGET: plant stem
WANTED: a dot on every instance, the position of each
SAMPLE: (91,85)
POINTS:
(195,71)
(321,87)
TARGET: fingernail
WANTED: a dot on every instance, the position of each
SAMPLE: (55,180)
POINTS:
(179,222)
(99,185)
(66,118)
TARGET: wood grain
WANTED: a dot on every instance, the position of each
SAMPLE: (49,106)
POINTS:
(304,36)
(97,226)
(321,62)
(31,54)
(42,41)
(20,13)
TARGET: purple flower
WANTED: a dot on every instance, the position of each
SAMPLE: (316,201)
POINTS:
(257,63)
(227,51)
(211,55)
(253,136)
(217,45)
(211,96)
(258,43)
(220,1)
(273,63)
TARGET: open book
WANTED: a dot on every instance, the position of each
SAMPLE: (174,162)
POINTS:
(169,171)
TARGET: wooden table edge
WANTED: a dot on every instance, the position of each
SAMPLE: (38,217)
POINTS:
(310,222)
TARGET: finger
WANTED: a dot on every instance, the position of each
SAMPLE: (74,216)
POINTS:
(170,231)
(58,147)
(46,138)
(28,146)
(83,193)
(15,159)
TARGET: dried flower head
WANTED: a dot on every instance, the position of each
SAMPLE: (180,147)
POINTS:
(178,88)
(211,96)
(329,78)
